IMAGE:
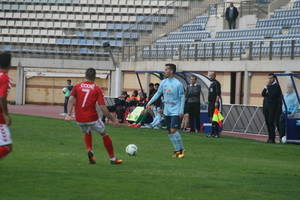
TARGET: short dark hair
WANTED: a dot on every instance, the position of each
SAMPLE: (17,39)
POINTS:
(69,80)
(5,60)
(194,76)
(90,74)
(172,67)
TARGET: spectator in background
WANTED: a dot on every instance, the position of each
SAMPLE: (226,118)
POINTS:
(151,90)
(133,100)
(272,106)
(121,106)
(142,99)
(231,15)
(67,93)
(156,86)
(185,120)
(193,93)
(292,105)
(214,99)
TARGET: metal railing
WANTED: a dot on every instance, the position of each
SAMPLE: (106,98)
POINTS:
(223,50)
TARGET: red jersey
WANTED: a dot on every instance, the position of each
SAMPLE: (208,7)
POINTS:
(87,94)
(5,85)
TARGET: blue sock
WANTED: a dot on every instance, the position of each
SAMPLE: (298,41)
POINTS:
(172,138)
(179,140)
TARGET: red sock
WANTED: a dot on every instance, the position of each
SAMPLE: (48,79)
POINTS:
(109,146)
(88,141)
(4,150)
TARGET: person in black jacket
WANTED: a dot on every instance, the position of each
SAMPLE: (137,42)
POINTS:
(214,99)
(231,15)
(193,93)
(272,106)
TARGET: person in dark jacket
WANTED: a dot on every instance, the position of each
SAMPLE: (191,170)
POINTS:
(193,93)
(272,106)
(231,15)
(214,99)
(152,90)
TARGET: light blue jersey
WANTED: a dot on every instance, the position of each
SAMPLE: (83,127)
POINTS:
(174,98)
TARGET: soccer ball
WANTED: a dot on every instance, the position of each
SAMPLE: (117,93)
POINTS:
(283,139)
(131,149)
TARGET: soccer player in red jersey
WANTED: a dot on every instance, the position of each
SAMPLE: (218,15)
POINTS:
(5,120)
(85,96)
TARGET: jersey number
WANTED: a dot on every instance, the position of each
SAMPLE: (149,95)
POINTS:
(87,92)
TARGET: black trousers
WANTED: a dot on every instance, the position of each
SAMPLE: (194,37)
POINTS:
(66,104)
(272,116)
(231,23)
(215,129)
(194,116)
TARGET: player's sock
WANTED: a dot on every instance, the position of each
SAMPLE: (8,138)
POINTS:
(4,150)
(88,141)
(179,140)
(109,147)
(172,138)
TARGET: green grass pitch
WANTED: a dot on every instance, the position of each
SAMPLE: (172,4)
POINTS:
(49,162)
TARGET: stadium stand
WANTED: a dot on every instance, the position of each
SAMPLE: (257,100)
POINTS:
(49,26)
(233,43)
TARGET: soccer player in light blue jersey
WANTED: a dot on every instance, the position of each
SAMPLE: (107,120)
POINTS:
(173,100)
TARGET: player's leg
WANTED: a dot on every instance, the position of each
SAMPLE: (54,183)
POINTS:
(5,150)
(175,122)
(99,127)
(88,141)
(171,136)
(5,141)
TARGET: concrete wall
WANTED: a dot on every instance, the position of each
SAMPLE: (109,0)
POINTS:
(12,92)
(48,90)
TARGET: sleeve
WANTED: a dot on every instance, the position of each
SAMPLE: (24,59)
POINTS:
(157,95)
(74,92)
(182,98)
(4,86)
(218,89)
(264,92)
(100,99)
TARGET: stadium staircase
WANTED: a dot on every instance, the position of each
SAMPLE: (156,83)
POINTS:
(196,8)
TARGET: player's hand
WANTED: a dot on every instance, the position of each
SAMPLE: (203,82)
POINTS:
(68,117)
(116,123)
(7,120)
(148,106)
(216,105)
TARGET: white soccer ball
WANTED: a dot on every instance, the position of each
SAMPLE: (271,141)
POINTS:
(131,149)
(283,139)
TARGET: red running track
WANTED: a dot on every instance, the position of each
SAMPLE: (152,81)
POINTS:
(55,111)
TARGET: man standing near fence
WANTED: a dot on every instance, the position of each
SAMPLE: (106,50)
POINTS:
(272,106)
(214,99)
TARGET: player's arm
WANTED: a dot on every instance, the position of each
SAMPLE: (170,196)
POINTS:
(3,100)
(157,95)
(107,114)
(218,90)
(181,99)
(71,103)
(3,105)
(104,109)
